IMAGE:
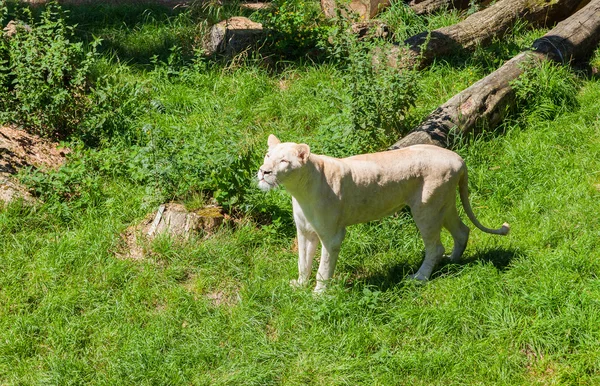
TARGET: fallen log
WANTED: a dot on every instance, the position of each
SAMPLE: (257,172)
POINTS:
(423,7)
(479,28)
(486,102)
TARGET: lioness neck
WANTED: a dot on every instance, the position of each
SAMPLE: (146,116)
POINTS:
(300,185)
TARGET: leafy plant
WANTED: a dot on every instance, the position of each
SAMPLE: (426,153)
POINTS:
(177,165)
(295,28)
(544,91)
(4,50)
(46,76)
(379,96)
(49,83)
(113,104)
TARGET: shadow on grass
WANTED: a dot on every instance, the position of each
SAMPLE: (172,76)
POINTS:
(385,278)
(394,274)
(488,58)
(134,32)
(499,257)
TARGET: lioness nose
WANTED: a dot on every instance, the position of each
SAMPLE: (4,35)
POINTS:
(265,172)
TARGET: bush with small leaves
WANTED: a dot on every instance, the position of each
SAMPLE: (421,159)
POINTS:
(48,85)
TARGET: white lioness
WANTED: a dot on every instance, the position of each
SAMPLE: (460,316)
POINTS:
(328,194)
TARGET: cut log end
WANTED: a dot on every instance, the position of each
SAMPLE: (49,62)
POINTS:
(176,220)
(173,220)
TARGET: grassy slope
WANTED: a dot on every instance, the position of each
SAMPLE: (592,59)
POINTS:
(519,310)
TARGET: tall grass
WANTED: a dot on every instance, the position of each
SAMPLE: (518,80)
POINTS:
(516,310)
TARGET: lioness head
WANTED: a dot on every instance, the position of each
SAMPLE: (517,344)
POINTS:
(281,162)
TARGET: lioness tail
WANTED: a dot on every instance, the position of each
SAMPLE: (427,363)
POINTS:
(463,188)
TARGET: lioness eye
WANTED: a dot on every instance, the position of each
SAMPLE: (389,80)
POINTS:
(283,160)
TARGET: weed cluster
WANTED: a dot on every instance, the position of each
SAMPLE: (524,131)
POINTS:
(377,96)
(177,161)
(47,83)
(296,28)
(380,97)
(545,91)
(45,76)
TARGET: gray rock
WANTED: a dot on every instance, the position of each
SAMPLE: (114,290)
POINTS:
(232,36)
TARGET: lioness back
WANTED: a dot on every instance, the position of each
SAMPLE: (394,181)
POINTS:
(416,159)
(371,186)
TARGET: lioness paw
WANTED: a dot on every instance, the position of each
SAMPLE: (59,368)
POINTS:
(418,276)
(297,283)
(319,290)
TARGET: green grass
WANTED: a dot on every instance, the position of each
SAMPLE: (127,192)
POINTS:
(522,309)
(134,33)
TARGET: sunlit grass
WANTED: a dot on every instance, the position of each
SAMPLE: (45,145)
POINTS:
(521,309)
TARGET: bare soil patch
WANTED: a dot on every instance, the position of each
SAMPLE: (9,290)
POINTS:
(18,150)
(221,294)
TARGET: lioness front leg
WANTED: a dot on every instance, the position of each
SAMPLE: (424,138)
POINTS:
(329,254)
(307,244)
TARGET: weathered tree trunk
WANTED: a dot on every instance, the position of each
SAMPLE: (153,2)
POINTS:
(486,102)
(364,9)
(479,28)
(422,7)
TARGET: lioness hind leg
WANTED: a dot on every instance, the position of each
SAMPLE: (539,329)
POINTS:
(459,232)
(430,226)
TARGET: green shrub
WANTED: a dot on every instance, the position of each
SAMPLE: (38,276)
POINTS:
(113,104)
(47,76)
(48,85)
(74,186)
(4,69)
(378,96)
(545,91)
(295,28)
(189,162)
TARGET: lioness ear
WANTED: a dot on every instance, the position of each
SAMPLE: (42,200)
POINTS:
(303,152)
(272,141)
